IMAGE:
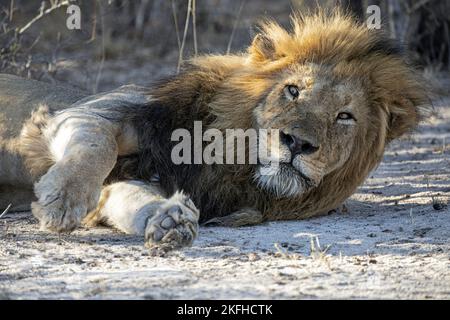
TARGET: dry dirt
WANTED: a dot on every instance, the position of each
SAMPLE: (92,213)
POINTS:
(390,241)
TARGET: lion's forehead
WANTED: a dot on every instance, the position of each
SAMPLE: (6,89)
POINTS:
(319,94)
(324,79)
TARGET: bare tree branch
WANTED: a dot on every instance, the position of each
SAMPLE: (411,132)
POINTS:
(54,5)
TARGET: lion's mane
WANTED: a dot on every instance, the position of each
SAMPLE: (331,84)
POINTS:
(223,90)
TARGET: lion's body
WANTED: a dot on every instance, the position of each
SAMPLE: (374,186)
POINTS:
(18,98)
(341,69)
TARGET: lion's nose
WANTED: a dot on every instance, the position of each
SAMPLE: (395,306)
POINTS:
(298,146)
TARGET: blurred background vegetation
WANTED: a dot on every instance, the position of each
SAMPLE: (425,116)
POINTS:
(138,41)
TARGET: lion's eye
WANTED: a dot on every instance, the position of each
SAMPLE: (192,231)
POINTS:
(292,91)
(345,116)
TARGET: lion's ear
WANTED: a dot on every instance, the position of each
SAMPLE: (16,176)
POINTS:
(271,42)
(262,48)
(406,98)
(404,116)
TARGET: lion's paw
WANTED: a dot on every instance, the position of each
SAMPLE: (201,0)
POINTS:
(61,205)
(175,224)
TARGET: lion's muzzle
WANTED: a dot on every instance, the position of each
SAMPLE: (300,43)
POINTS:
(298,146)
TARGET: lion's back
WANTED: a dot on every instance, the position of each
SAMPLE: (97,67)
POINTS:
(18,97)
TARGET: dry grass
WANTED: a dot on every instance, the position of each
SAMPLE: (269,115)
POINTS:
(316,251)
(5,211)
(103,54)
(236,22)
(183,42)
(282,253)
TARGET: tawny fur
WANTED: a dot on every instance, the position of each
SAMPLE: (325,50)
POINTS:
(33,146)
(94,217)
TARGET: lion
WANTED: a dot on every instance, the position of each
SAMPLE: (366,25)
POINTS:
(336,92)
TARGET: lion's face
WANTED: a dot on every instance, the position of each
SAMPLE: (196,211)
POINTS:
(318,115)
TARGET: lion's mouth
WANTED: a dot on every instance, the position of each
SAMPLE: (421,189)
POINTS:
(284,180)
(291,170)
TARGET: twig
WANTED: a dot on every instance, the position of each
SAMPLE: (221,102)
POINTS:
(418,5)
(235,26)
(175,20)
(140,17)
(316,249)
(6,211)
(194,27)
(11,10)
(34,42)
(94,23)
(42,13)
(186,25)
(102,61)
(391,11)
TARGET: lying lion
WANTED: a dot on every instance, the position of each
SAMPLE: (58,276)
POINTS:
(336,91)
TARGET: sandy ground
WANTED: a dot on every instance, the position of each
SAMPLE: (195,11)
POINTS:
(391,240)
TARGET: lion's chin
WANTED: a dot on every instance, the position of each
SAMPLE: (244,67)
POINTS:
(283,181)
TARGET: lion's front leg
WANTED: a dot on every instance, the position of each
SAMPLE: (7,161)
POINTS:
(135,207)
(85,152)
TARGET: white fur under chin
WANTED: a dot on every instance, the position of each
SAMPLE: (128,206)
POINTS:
(282,183)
